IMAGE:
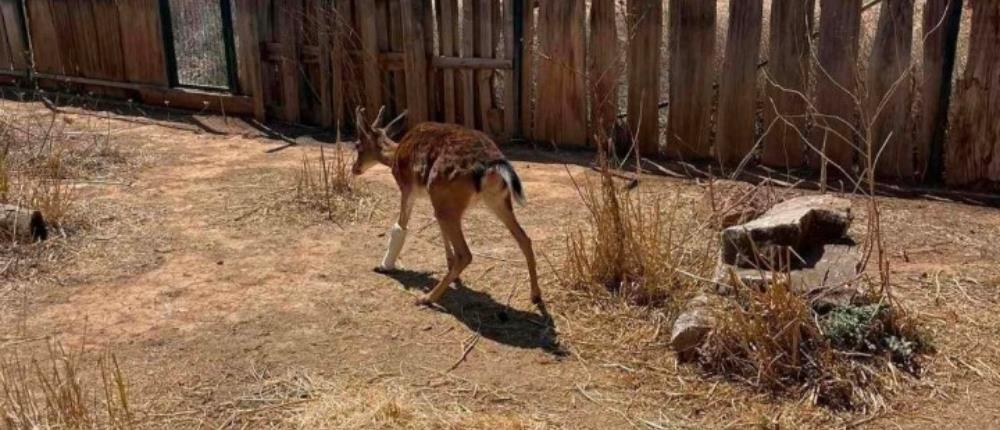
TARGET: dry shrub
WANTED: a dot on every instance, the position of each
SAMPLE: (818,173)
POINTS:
(53,393)
(646,249)
(327,184)
(775,341)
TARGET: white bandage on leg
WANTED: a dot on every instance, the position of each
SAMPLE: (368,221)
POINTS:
(397,236)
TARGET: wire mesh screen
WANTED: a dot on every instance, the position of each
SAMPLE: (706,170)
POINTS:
(199,43)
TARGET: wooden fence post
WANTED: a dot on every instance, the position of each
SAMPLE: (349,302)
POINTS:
(738,86)
(889,95)
(249,56)
(527,54)
(415,59)
(942,19)
(645,24)
(836,88)
(448,23)
(972,156)
(788,78)
(605,69)
(692,72)
(45,39)
(368,33)
(289,14)
(561,112)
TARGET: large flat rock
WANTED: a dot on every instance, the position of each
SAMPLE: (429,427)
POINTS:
(798,224)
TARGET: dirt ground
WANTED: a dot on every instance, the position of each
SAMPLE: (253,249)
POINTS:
(229,309)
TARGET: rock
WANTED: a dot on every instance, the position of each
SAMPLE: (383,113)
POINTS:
(22,224)
(799,223)
(827,276)
(693,325)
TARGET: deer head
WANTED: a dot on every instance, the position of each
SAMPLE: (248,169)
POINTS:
(375,144)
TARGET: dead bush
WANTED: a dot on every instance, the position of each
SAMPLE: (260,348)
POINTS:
(644,248)
(775,341)
(53,393)
(326,184)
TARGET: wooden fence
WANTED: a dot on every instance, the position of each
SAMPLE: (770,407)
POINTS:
(572,72)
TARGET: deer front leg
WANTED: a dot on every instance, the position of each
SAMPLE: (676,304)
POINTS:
(397,235)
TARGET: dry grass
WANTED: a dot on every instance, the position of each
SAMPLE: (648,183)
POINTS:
(326,184)
(54,393)
(844,359)
(647,249)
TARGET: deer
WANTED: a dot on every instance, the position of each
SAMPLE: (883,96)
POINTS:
(455,167)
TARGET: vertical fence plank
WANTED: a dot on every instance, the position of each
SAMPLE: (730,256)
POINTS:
(738,82)
(368,32)
(17,42)
(972,155)
(44,37)
(289,13)
(415,58)
(509,81)
(785,104)
(692,71)
(447,13)
(889,94)
(249,56)
(645,24)
(84,32)
(484,49)
(340,62)
(561,112)
(527,54)
(941,22)
(396,45)
(605,69)
(6,62)
(142,37)
(468,50)
(325,31)
(109,44)
(836,87)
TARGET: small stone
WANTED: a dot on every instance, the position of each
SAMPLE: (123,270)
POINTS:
(693,325)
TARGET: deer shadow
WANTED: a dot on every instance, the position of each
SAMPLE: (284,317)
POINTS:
(481,313)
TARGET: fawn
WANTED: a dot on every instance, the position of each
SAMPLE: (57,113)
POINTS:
(453,166)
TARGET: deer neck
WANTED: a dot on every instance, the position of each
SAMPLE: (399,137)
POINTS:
(387,152)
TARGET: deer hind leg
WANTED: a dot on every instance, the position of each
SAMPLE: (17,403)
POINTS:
(450,202)
(449,253)
(501,206)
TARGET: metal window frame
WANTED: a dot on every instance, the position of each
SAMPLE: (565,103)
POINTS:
(229,46)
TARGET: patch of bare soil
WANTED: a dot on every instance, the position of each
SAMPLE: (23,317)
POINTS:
(230,307)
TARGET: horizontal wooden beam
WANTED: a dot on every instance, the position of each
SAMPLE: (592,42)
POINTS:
(181,98)
(440,62)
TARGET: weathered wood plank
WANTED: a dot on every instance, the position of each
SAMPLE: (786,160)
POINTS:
(941,22)
(396,45)
(972,156)
(6,60)
(527,66)
(484,49)
(785,104)
(84,31)
(68,43)
(645,19)
(692,72)
(44,36)
(889,95)
(415,50)
(561,112)
(738,83)
(17,42)
(324,34)
(368,32)
(509,79)
(141,26)
(341,27)
(111,59)
(605,70)
(467,77)
(836,87)
(448,23)
(289,20)
(248,56)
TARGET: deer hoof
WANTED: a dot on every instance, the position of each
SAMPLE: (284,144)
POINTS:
(537,300)
(424,301)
